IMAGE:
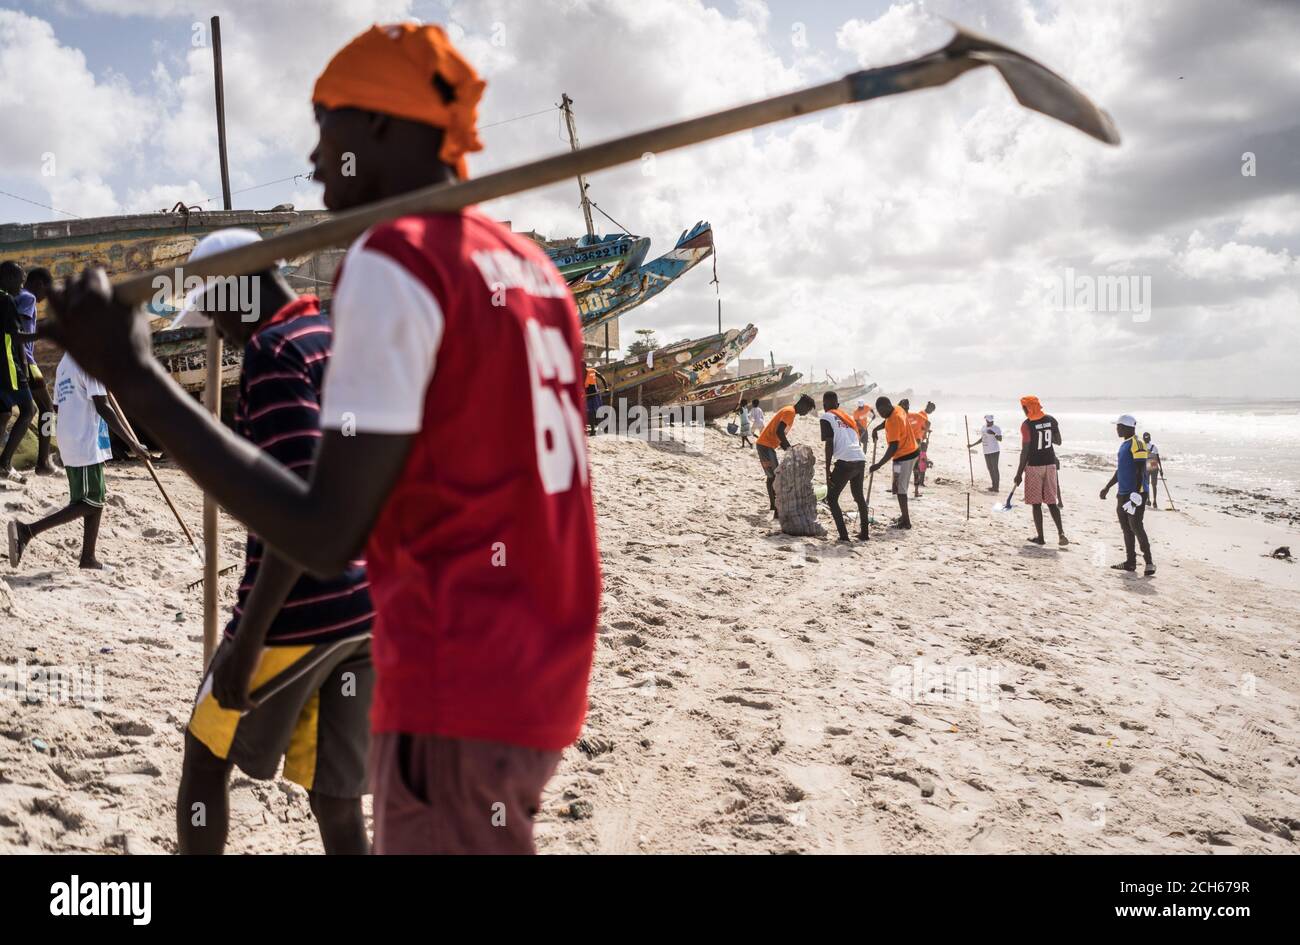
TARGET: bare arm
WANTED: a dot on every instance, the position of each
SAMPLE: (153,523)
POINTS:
(233,675)
(1020,470)
(893,448)
(319,524)
(116,423)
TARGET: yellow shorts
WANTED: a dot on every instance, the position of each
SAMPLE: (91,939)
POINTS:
(312,709)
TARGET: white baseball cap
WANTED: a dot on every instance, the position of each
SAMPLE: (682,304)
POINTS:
(191,315)
(988,418)
(862,403)
(1127,420)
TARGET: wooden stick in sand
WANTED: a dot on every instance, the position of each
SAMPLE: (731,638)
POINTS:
(212,389)
(1160,470)
(970,461)
(871,477)
(148,464)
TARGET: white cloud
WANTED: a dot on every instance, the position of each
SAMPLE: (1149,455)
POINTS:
(1232,261)
(63,123)
(910,236)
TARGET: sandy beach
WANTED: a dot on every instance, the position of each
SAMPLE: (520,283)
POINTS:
(951,689)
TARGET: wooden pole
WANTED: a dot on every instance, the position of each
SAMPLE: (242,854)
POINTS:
(970,460)
(212,389)
(1038,87)
(1169,496)
(871,478)
(566,106)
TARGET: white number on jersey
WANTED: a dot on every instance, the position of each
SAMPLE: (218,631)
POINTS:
(557,424)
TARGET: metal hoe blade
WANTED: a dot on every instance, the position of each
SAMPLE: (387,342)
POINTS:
(1034,85)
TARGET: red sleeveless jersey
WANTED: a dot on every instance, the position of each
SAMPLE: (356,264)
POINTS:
(483,563)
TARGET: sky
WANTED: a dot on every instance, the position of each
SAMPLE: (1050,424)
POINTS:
(946,240)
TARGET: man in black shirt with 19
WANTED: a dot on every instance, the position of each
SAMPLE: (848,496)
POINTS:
(1039,435)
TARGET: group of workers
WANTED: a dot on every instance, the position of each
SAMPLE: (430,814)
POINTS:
(907,436)
(845,436)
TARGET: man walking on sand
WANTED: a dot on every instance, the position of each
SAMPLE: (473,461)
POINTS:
(85,416)
(481,548)
(292,677)
(862,417)
(840,434)
(903,451)
(920,422)
(14,385)
(1039,436)
(990,435)
(1131,500)
(1153,471)
(773,438)
(36,289)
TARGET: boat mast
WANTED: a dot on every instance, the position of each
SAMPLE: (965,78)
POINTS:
(566,106)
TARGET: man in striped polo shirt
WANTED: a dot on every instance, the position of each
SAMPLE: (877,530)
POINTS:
(292,677)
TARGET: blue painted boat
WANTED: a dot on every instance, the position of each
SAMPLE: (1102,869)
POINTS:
(598,303)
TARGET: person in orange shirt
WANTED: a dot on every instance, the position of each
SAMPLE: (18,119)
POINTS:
(862,417)
(594,400)
(920,423)
(773,438)
(903,451)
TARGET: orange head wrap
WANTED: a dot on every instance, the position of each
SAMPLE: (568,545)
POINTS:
(1032,407)
(390,69)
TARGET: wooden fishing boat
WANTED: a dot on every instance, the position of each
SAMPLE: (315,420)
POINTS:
(590,261)
(848,394)
(700,356)
(722,397)
(665,374)
(715,395)
(636,286)
(143,241)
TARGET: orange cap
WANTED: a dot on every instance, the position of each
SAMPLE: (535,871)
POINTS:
(390,70)
(1032,407)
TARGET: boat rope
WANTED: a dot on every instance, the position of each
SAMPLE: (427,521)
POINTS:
(506,121)
(244,190)
(608,217)
(298,275)
(45,205)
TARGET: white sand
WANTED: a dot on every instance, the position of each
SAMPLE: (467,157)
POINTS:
(754,692)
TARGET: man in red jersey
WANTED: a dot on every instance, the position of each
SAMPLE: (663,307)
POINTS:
(481,544)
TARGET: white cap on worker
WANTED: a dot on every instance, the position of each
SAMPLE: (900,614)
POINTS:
(191,315)
(988,418)
(1127,420)
(862,403)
